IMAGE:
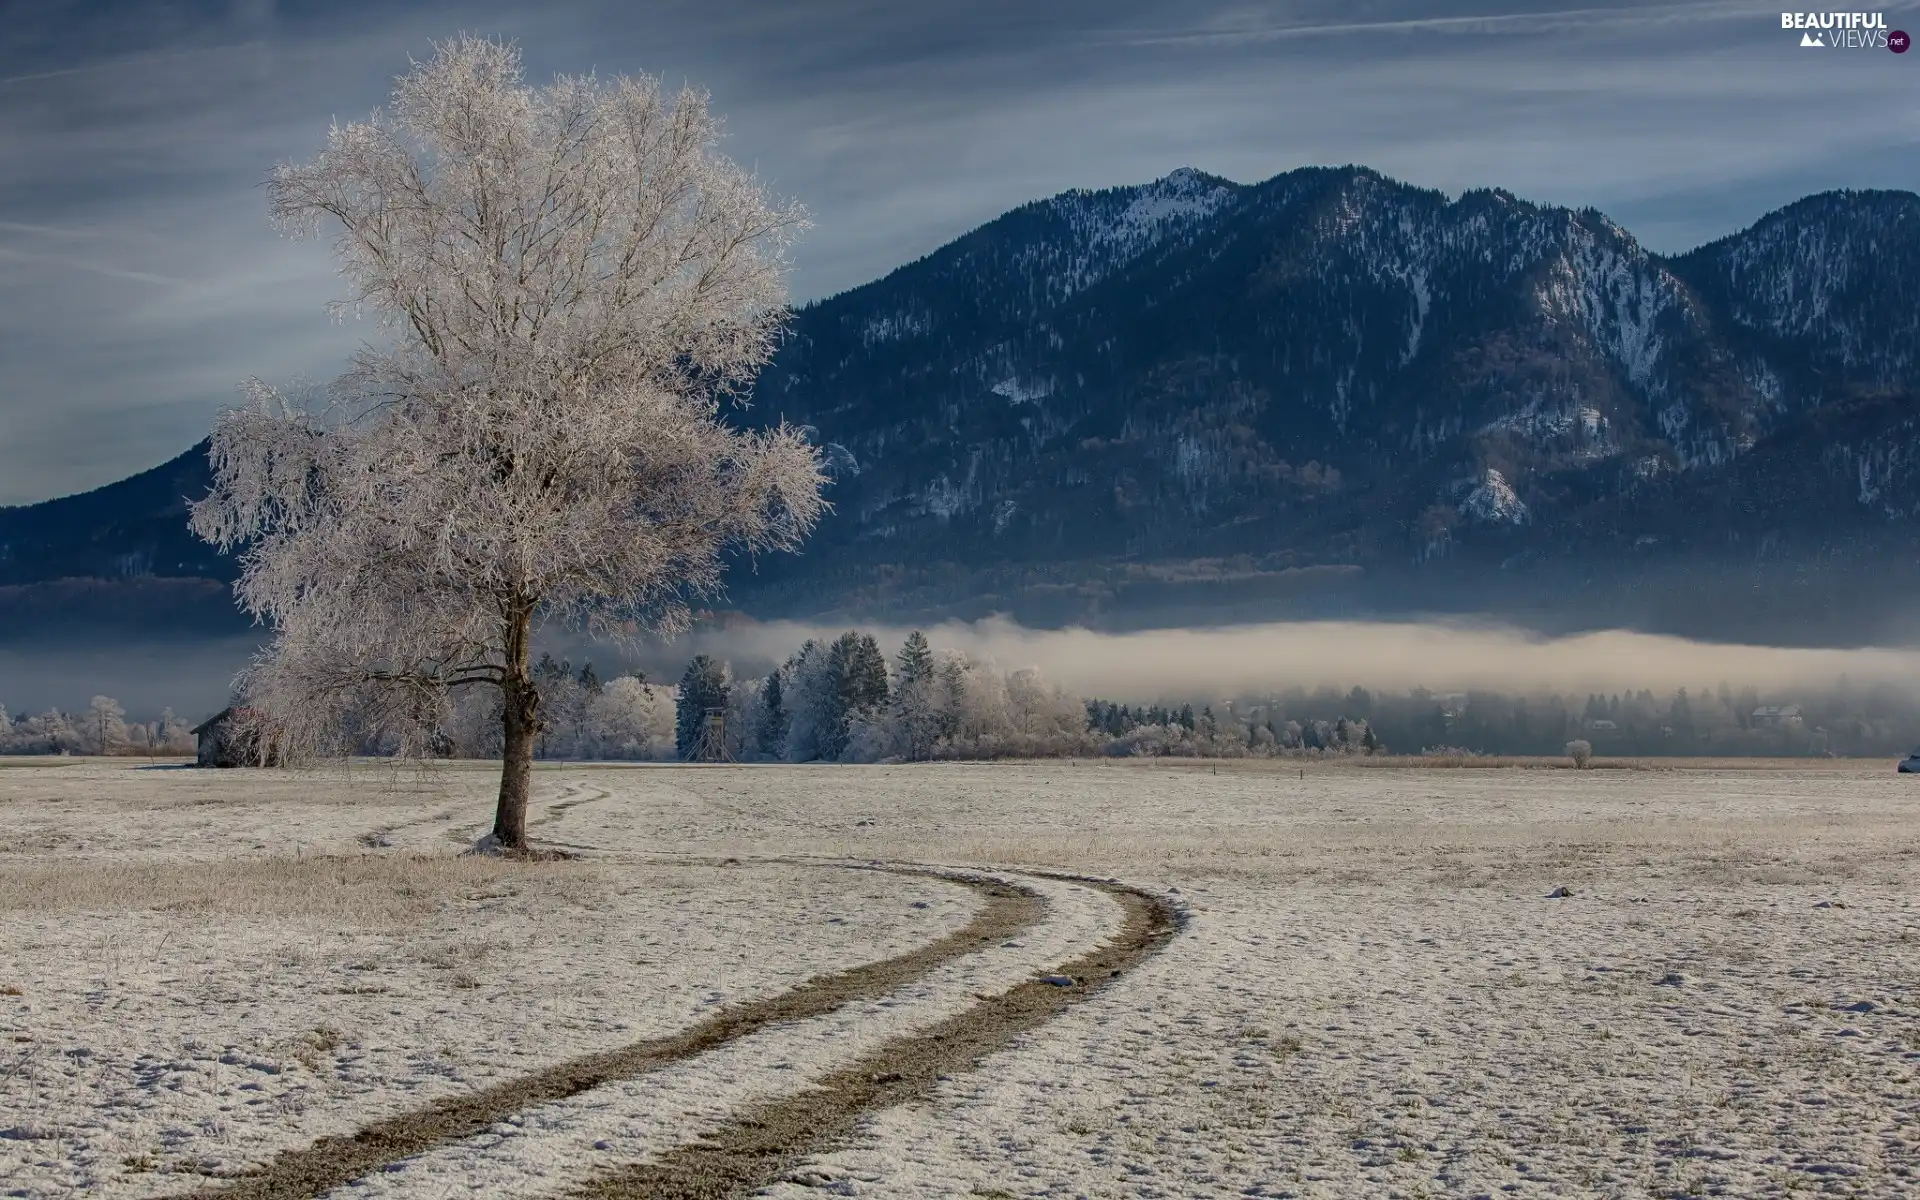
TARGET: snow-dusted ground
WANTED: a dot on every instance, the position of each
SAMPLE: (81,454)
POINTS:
(549,1149)
(1374,996)
(215,1000)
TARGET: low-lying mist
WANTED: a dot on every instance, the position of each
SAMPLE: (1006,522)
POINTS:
(1176,664)
(1207,662)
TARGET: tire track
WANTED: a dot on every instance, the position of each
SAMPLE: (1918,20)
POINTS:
(569,799)
(332,1161)
(380,837)
(765,1141)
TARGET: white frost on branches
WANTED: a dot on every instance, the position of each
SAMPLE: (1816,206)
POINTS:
(576,281)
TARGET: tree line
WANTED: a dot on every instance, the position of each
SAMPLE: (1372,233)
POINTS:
(846,699)
(102,729)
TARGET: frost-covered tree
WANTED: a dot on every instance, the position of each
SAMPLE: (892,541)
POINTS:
(172,734)
(743,706)
(628,719)
(845,681)
(49,733)
(811,696)
(575,281)
(105,725)
(825,689)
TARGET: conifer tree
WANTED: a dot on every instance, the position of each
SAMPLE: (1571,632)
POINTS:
(704,686)
(773,718)
(914,706)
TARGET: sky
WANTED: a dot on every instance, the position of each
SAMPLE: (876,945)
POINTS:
(140,282)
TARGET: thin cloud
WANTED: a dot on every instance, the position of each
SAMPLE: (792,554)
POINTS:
(93,268)
(36,76)
(46,230)
(1555,21)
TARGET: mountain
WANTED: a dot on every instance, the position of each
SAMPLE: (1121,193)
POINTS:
(135,528)
(1195,395)
(117,559)
(1329,392)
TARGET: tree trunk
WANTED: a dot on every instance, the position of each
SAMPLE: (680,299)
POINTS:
(520,720)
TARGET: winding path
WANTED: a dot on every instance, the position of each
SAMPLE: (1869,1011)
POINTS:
(762,1143)
(762,1139)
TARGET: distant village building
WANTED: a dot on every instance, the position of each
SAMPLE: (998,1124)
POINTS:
(1602,725)
(1777,716)
(231,738)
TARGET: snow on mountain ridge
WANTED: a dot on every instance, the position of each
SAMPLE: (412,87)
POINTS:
(1493,501)
(1109,229)
(1805,272)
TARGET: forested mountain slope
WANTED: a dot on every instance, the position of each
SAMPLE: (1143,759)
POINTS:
(1326,392)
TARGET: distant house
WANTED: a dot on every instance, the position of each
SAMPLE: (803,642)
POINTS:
(1602,725)
(231,738)
(1777,716)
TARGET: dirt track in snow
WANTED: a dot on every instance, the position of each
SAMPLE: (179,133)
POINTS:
(314,1170)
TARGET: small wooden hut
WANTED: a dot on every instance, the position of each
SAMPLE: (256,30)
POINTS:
(233,737)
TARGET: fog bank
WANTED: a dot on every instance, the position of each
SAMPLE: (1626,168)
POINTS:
(1208,663)
(1392,656)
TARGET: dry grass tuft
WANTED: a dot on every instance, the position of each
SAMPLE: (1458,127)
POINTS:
(379,890)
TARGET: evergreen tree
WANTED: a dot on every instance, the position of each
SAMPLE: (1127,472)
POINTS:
(559,709)
(867,688)
(915,705)
(915,661)
(589,681)
(1186,717)
(773,718)
(953,695)
(1680,716)
(704,686)
(857,672)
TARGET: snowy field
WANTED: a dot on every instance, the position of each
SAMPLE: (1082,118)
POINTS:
(1374,993)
